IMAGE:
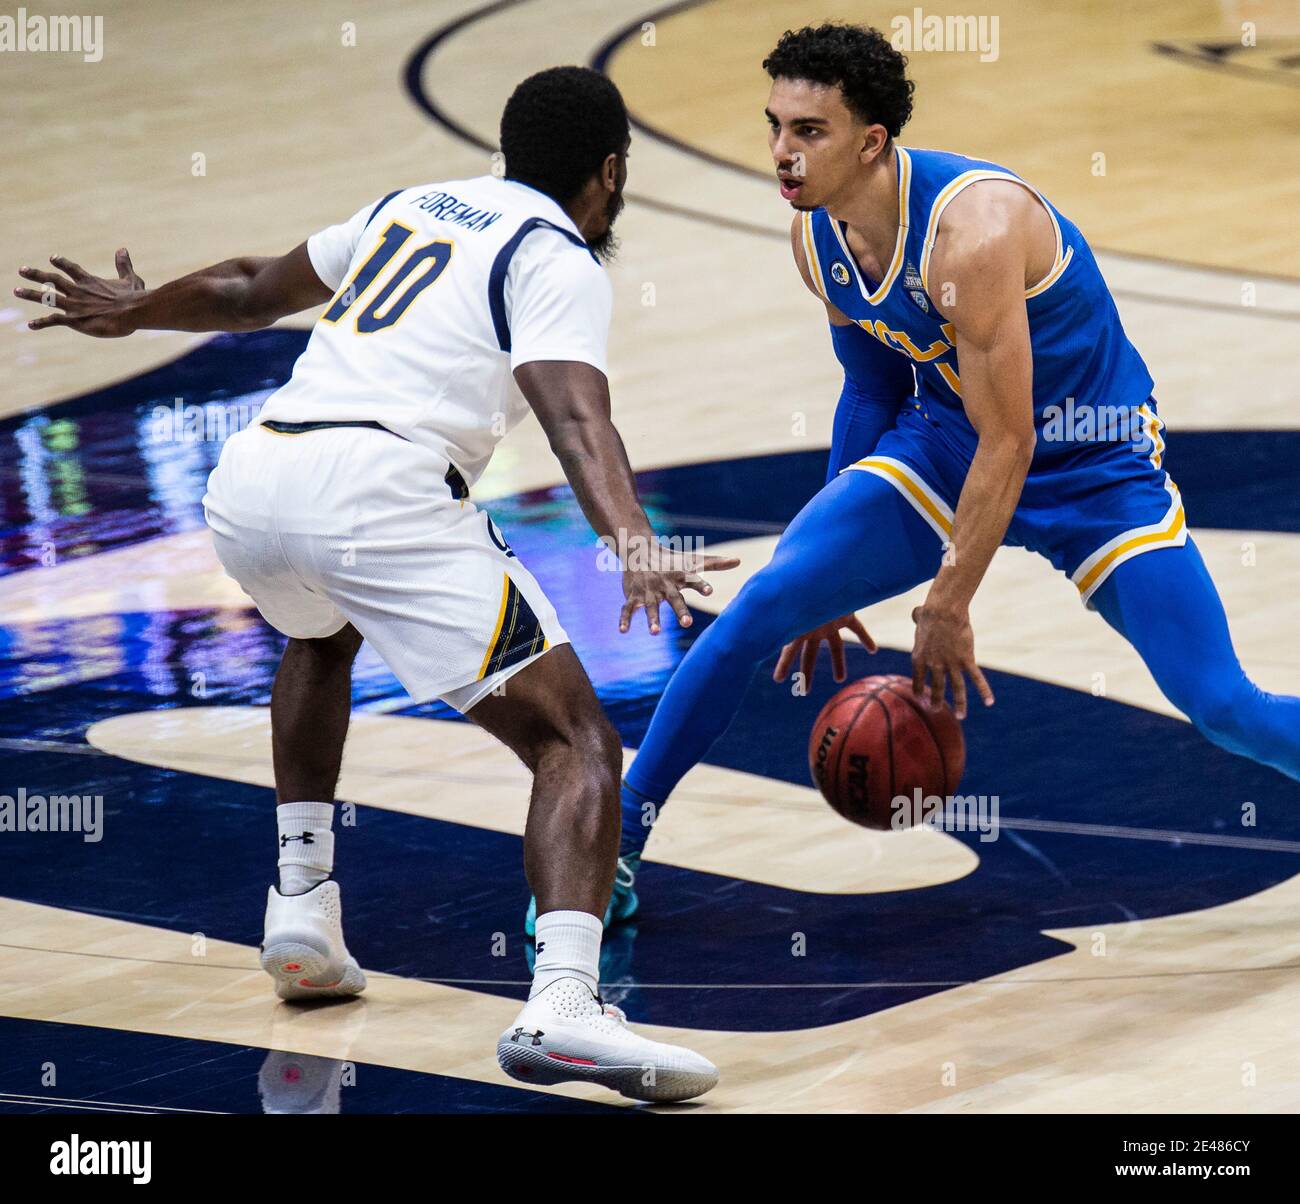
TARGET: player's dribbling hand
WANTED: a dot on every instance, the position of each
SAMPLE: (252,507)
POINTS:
(649,588)
(92,305)
(806,647)
(944,653)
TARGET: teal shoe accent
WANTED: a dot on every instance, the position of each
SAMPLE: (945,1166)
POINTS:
(623,903)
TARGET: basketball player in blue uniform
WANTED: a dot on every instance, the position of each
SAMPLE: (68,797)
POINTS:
(990,396)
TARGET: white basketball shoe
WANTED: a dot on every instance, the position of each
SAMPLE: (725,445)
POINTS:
(303,948)
(566,1034)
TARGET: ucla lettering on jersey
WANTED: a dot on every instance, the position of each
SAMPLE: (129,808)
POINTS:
(441,291)
(1083,363)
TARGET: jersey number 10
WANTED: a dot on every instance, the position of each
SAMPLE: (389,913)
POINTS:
(415,273)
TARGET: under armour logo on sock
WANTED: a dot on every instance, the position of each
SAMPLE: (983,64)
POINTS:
(306,838)
(541,948)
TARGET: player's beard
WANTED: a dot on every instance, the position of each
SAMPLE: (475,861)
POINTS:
(605,246)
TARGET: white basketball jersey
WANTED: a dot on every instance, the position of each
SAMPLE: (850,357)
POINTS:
(441,291)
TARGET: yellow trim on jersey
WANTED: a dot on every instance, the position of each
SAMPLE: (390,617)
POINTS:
(810,254)
(900,242)
(1054,275)
(949,374)
(1151,427)
(1169,532)
(496,633)
(949,193)
(928,504)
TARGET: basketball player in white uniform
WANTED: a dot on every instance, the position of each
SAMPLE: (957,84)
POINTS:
(345,514)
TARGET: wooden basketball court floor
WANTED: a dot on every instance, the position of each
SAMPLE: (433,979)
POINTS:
(1128,943)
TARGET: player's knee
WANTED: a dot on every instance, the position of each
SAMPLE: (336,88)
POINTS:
(588,745)
(754,620)
(1220,711)
(601,750)
(341,647)
(592,765)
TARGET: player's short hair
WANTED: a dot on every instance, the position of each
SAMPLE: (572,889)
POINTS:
(557,128)
(870,73)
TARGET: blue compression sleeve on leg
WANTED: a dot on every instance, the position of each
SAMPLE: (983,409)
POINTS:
(876,380)
(1165,604)
(855,543)
(639,815)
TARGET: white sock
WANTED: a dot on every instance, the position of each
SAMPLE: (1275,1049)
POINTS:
(568,946)
(306,845)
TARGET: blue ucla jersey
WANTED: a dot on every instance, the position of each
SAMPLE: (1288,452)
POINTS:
(1082,358)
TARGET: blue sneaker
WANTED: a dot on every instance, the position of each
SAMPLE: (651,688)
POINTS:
(622,903)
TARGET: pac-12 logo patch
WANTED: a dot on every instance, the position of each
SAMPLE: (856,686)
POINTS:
(839,273)
(915,286)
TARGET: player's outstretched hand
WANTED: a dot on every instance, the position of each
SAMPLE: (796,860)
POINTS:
(648,588)
(944,654)
(806,647)
(93,305)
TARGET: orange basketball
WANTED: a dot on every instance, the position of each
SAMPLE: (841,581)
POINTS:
(874,742)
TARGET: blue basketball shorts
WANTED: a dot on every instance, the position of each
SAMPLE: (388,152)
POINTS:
(1086,507)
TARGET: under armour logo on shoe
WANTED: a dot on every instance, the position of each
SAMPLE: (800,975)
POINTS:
(306,838)
(519,1032)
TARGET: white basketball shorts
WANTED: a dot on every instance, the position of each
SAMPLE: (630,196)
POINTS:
(356,525)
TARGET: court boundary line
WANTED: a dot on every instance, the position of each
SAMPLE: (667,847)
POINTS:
(412,78)
(93,1105)
(880,985)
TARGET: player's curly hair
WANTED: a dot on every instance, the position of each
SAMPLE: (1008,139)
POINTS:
(557,128)
(870,73)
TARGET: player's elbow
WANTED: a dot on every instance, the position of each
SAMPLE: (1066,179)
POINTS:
(1022,451)
(574,435)
(1024,441)
(1013,445)
(251,303)
(246,318)
(241,309)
